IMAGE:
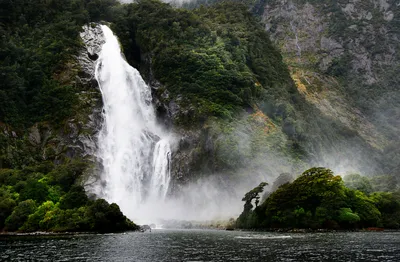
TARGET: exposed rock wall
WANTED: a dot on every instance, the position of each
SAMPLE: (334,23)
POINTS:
(316,32)
(73,138)
(77,139)
(342,56)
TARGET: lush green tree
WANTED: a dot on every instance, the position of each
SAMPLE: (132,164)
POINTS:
(66,175)
(100,9)
(247,217)
(319,199)
(34,190)
(347,218)
(253,194)
(104,217)
(316,187)
(33,221)
(55,193)
(53,220)
(369,214)
(67,207)
(20,215)
(75,198)
(389,206)
(74,220)
(7,204)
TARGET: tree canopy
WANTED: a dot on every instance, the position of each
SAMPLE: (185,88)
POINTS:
(319,199)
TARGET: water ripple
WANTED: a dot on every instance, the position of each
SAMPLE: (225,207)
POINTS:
(204,245)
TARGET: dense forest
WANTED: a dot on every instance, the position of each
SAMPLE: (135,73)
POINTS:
(318,199)
(219,66)
(218,59)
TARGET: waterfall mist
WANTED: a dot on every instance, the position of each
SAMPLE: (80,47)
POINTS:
(134,153)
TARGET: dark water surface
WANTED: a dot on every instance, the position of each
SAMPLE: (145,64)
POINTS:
(204,245)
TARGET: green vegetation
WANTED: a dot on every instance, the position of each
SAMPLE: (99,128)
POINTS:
(216,63)
(49,198)
(319,199)
(40,40)
(214,60)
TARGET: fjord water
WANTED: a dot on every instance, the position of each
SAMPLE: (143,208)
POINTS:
(205,245)
(133,150)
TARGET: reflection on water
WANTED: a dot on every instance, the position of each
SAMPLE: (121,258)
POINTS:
(204,245)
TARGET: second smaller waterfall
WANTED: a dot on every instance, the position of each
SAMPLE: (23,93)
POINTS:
(161,163)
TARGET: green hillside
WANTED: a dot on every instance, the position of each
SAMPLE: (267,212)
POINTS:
(253,89)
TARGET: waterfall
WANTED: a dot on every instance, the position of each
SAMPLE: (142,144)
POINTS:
(133,150)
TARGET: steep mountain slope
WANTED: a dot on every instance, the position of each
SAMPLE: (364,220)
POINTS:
(343,57)
(180,53)
(238,112)
(209,67)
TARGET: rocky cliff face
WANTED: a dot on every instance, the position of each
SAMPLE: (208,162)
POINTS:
(316,33)
(92,37)
(75,137)
(342,56)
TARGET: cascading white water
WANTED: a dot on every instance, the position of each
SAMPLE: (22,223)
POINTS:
(134,151)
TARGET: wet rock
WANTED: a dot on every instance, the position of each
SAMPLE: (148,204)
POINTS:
(93,39)
(77,139)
